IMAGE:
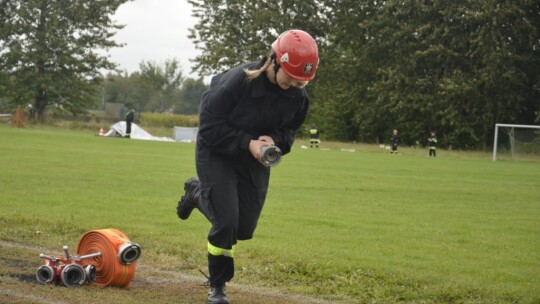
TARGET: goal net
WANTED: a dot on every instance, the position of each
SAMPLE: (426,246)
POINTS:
(516,142)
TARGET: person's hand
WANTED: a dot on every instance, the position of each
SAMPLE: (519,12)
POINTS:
(267,139)
(255,147)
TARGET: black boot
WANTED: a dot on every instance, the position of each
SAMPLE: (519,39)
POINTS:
(217,295)
(190,199)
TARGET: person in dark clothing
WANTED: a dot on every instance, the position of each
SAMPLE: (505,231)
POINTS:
(130,116)
(432,145)
(394,141)
(246,108)
(314,136)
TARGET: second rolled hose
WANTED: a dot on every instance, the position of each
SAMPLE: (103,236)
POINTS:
(116,265)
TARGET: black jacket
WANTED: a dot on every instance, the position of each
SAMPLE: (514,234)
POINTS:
(129,116)
(236,110)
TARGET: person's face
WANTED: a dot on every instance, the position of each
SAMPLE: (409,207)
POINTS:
(285,81)
(395,132)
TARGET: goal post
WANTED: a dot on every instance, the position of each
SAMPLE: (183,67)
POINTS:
(514,142)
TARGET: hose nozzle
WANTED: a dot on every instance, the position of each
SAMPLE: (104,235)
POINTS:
(271,155)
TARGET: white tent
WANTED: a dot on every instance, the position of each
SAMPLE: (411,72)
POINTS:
(119,130)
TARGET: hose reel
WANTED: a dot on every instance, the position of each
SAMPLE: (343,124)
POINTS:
(105,257)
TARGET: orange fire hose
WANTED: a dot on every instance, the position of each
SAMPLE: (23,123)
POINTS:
(116,265)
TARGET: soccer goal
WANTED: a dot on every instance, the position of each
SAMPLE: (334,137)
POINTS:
(516,142)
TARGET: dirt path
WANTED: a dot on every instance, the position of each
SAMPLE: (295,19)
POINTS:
(18,263)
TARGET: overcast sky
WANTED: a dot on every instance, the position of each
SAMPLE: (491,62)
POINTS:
(155,30)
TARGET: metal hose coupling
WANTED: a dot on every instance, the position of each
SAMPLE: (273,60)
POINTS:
(90,272)
(69,270)
(270,155)
(129,252)
(73,275)
(45,274)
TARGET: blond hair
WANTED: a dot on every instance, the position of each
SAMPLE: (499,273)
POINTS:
(252,74)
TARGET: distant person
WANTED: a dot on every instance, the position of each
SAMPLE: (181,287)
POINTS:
(130,116)
(314,136)
(246,109)
(31,112)
(394,141)
(432,145)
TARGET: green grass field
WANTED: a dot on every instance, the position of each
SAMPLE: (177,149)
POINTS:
(340,227)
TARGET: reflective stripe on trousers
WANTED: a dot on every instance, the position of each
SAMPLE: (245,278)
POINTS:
(216,251)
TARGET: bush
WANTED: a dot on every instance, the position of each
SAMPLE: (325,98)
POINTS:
(168,120)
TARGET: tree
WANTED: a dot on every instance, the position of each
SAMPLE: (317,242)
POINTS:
(164,81)
(50,50)
(417,65)
(422,65)
(156,88)
(190,96)
(130,90)
(231,32)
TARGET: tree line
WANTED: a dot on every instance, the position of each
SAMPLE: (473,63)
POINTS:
(155,87)
(455,68)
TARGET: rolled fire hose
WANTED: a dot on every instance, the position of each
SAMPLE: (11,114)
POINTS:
(116,265)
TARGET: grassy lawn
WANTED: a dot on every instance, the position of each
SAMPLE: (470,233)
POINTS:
(338,226)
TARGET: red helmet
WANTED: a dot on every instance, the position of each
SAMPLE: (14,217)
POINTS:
(296,52)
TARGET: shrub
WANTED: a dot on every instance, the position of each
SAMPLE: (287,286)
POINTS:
(168,120)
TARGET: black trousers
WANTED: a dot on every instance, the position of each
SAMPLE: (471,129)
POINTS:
(233,191)
(128,128)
